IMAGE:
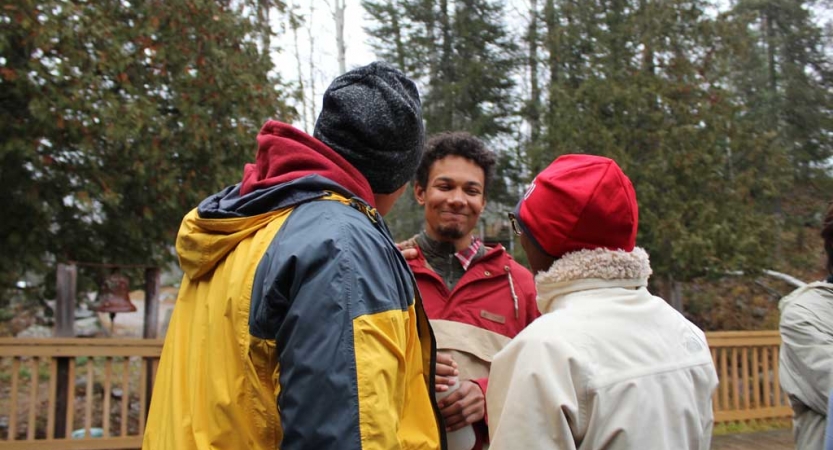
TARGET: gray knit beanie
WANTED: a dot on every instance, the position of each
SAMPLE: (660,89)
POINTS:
(373,118)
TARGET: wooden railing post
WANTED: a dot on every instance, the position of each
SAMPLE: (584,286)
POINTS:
(152,286)
(65,303)
(64,327)
(153,282)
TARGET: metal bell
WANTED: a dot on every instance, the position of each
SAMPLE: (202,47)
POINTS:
(115,295)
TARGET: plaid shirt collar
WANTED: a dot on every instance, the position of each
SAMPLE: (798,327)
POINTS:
(466,255)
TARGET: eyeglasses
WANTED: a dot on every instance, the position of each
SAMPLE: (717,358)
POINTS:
(516,226)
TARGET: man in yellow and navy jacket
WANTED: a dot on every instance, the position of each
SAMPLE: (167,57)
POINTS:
(298,324)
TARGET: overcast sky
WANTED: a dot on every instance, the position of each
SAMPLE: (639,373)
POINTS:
(324,53)
(358,51)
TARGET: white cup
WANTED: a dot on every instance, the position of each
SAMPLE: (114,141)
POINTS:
(464,438)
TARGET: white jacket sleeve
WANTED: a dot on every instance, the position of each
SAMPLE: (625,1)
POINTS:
(533,397)
(807,354)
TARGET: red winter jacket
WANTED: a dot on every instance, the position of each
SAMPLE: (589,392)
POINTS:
(483,296)
(493,301)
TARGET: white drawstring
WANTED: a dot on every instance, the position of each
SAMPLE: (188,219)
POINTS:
(512,288)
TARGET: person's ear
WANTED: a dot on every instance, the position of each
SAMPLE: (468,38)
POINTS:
(419,194)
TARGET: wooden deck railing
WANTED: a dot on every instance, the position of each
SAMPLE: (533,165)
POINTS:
(50,387)
(747,366)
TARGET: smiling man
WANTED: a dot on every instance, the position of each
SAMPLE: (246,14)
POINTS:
(476,297)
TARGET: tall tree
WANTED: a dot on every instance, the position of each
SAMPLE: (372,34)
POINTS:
(646,83)
(785,79)
(390,32)
(337,9)
(116,117)
(313,114)
(295,23)
(461,50)
(532,109)
(462,53)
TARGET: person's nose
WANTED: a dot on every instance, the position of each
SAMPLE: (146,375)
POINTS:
(456,198)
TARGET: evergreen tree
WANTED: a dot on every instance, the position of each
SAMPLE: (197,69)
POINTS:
(117,117)
(461,52)
(784,78)
(645,83)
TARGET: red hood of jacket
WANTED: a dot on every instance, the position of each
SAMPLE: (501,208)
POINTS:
(285,153)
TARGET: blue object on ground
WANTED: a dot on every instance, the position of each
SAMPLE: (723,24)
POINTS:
(94,432)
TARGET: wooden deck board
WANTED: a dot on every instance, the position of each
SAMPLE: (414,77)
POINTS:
(764,440)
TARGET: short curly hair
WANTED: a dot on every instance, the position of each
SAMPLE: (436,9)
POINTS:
(827,235)
(456,143)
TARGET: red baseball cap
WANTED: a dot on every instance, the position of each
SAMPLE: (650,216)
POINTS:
(580,202)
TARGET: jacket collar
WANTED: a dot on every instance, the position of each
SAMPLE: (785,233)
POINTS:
(494,255)
(592,269)
(285,153)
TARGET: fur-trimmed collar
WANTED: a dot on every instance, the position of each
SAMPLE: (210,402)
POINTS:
(599,263)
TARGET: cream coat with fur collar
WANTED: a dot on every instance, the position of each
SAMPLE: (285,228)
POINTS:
(608,365)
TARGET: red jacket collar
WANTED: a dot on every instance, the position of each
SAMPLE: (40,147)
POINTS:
(286,153)
(494,255)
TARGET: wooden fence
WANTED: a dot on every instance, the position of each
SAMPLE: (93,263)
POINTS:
(747,366)
(46,383)
(50,387)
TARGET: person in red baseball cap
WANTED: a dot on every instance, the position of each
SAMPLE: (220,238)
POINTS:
(608,365)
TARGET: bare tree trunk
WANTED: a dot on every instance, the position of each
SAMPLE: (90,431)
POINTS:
(672,291)
(338,15)
(295,23)
(446,69)
(431,32)
(397,33)
(676,295)
(552,45)
(534,113)
(312,112)
(772,72)
(265,30)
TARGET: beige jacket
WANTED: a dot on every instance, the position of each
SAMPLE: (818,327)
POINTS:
(608,365)
(806,361)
